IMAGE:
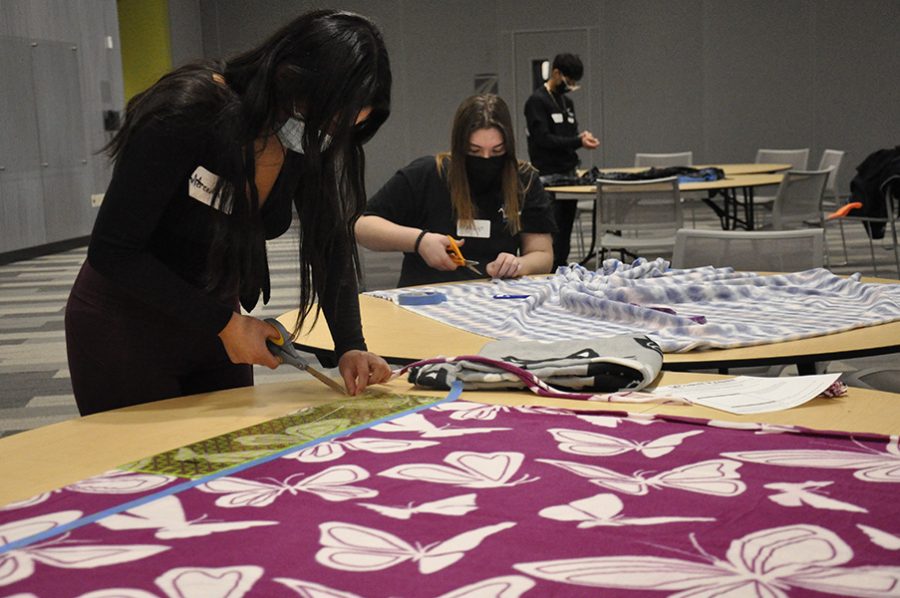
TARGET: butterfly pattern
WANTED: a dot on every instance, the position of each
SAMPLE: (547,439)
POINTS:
(467,470)
(717,477)
(765,563)
(349,547)
(167,517)
(592,444)
(605,510)
(869,465)
(455,506)
(335,449)
(333,484)
(466,500)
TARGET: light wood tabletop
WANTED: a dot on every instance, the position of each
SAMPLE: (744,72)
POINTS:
(736,181)
(728,169)
(745,177)
(46,458)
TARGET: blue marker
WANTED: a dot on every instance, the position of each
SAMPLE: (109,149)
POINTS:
(511,296)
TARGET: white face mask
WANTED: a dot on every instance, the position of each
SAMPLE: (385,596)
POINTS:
(291,135)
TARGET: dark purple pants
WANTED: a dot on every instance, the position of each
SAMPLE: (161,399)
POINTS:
(123,352)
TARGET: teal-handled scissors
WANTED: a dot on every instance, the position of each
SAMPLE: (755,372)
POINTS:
(283,349)
(457,257)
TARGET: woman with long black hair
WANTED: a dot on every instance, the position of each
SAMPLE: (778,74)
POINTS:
(208,163)
(477,192)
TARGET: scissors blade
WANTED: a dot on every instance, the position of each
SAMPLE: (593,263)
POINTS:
(328,381)
(284,349)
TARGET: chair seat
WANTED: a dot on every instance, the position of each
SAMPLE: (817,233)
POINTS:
(610,241)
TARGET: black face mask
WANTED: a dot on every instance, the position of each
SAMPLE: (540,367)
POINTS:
(484,173)
(563,87)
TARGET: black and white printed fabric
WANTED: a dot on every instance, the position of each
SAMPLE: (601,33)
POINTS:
(624,362)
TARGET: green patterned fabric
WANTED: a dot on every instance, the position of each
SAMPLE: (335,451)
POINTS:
(234,448)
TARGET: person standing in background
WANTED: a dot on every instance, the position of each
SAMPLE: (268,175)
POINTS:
(553,139)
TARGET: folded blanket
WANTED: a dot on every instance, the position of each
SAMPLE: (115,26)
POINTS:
(624,362)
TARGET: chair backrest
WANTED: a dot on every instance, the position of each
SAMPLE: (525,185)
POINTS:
(832,158)
(797,158)
(663,160)
(889,188)
(652,206)
(773,251)
(799,198)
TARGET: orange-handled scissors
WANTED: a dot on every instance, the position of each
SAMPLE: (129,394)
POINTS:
(458,259)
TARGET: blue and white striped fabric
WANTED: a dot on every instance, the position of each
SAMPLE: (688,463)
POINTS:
(740,308)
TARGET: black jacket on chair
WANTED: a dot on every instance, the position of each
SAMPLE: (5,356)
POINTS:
(866,187)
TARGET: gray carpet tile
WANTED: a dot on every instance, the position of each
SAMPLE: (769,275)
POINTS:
(34,378)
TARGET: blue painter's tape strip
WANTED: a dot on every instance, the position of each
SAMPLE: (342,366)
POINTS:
(455,391)
(421,298)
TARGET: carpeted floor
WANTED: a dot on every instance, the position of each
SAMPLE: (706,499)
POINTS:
(34,379)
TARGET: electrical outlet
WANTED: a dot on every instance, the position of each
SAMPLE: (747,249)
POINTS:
(96,199)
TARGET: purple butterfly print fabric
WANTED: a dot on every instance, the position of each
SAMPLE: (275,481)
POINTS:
(466,499)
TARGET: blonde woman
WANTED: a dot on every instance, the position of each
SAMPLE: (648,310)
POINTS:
(478,193)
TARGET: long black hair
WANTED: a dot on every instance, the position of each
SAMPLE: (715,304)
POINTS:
(327,65)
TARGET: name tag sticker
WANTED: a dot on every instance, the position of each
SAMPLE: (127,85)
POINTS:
(201,185)
(557,117)
(480,229)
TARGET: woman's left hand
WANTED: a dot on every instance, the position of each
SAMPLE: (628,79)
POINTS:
(505,266)
(361,368)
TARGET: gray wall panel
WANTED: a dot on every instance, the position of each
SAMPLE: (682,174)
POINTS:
(758,65)
(652,84)
(19,148)
(74,88)
(856,89)
(721,78)
(185,31)
(436,84)
(64,159)
(21,211)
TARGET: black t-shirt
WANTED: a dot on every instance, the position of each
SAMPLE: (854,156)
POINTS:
(153,233)
(417,196)
(552,132)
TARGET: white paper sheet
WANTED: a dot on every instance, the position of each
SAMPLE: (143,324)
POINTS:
(748,394)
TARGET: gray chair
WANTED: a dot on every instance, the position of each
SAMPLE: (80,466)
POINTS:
(892,214)
(797,158)
(831,159)
(663,160)
(773,251)
(690,201)
(646,161)
(799,199)
(637,216)
(754,251)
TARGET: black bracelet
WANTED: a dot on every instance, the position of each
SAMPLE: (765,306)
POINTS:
(419,240)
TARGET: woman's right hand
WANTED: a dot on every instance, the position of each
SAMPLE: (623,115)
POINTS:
(433,249)
(244,338)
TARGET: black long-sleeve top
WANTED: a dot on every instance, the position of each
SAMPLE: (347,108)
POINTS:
(552,132)
(153,237)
